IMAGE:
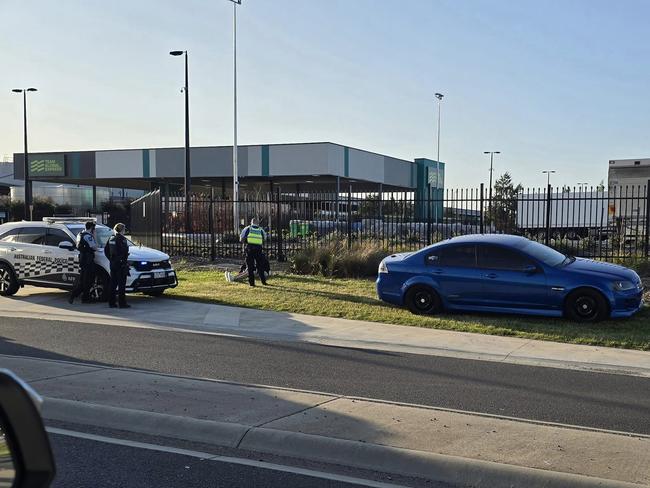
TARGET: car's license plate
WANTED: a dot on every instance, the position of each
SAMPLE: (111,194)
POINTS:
(159,274)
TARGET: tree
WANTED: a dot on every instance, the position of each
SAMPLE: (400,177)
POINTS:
(504,204)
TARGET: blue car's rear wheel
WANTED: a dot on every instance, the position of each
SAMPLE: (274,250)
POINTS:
(422,300)
(586,305)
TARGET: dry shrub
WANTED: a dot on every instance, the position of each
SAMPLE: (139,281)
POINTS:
(334,259)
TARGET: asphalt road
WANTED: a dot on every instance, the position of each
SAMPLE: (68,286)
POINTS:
(83,463)
(598,400)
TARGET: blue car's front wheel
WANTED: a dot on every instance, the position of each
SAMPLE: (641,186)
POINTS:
(422,300)
(586,305)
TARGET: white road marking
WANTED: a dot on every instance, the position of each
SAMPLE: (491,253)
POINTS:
(223,459)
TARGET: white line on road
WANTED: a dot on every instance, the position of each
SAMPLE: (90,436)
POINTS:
(223,459)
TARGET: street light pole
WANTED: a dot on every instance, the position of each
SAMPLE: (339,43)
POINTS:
(548,172)
(491,153)
(29,206)
(235,169)
(188,172)
(439,96)
(548,176)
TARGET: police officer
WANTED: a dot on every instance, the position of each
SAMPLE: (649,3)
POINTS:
(117,249)
(87,245)
(253,236)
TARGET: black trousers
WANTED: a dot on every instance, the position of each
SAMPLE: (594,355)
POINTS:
(254,258)
(117,286)
(85,281)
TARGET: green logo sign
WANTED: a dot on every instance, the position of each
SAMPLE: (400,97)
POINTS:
(46,165)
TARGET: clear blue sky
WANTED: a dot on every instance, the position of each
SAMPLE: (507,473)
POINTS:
(562,85)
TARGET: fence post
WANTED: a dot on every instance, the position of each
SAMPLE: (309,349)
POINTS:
(647,218)
(278,226)
(213,250)
(428,214)
(349,218)
(482,204)
(548,215)
(159,220)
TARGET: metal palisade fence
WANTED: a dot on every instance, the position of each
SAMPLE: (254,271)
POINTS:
(601,223)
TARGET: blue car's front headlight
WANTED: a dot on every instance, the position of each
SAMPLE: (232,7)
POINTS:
(624,285)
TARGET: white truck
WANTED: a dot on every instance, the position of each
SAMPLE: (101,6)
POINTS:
(44,254)
(572,213)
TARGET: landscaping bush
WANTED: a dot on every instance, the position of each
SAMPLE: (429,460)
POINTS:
(334,259)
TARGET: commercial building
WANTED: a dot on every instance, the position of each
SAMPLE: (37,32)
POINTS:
(292,168)
(80,198)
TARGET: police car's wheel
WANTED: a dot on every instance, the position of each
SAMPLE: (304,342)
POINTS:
(99,288)
(8,283)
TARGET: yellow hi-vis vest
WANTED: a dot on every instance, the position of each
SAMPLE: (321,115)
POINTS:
(254,235)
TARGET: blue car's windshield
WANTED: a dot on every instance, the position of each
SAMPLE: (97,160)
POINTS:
(544,253)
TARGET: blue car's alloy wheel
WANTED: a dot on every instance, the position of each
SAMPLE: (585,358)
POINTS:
(586,306)
(422,300)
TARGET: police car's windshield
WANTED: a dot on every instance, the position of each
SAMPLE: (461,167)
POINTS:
(102,233)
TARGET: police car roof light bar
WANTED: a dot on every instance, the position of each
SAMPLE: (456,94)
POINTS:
(52,220)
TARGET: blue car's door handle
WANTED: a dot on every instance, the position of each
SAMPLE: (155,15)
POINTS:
(491,275)
(438,271)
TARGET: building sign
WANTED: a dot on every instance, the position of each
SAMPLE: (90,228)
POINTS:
(436,176)
(46,165)
(432,177)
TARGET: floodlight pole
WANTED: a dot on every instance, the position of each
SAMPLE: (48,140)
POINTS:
(188,174)
(235,168)
(548,176)
(29,205)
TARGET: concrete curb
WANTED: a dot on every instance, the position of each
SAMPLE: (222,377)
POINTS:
(437,467)
(205,431)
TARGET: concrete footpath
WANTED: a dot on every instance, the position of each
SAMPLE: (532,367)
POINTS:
(460,448)
(205,318)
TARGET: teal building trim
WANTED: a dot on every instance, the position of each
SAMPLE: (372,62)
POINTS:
(146,165)
(346,162)
(75,165)
(265,161)
(429,187)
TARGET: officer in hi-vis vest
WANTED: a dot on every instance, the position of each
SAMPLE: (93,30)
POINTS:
(254,236)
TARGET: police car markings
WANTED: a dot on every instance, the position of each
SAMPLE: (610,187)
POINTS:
(30,266)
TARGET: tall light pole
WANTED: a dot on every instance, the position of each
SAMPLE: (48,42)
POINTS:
(235,170)
(188,172)
(439,96)
(548,173)
(29,207)
(491,153)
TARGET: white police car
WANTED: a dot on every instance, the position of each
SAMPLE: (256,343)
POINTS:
(44,254)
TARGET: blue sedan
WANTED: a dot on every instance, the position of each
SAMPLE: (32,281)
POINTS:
(505,273)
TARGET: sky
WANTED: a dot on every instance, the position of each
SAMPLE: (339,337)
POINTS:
(559,85)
